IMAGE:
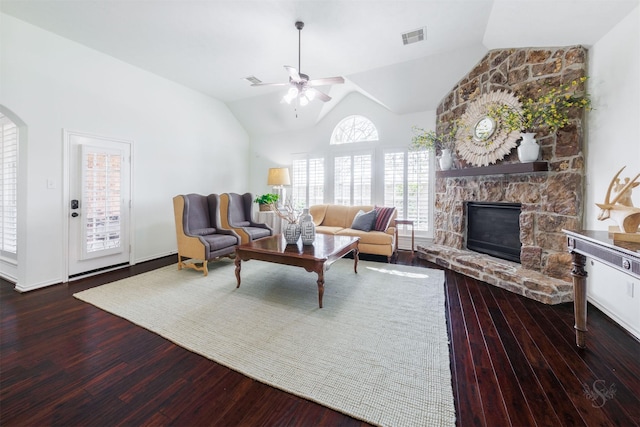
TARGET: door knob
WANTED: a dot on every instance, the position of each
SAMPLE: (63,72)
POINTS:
(75,214)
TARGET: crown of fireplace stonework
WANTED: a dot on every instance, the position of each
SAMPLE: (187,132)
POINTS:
(501,273)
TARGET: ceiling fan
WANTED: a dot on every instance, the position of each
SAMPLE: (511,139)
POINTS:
(300,87)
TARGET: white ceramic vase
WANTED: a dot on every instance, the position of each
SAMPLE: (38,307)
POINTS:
(529,150)
(291,233)
(446,159)
(307,228)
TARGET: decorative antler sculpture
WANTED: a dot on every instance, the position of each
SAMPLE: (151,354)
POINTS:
(621,208)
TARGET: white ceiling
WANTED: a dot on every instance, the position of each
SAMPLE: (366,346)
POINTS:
(211,45)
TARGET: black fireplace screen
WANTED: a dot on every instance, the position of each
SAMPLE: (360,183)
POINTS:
(494,229)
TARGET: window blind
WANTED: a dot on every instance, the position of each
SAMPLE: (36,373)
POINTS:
(8,187)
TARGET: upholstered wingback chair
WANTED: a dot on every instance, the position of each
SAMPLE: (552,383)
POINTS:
(199,234)
(235,214)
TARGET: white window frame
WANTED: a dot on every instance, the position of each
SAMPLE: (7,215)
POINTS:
(351,154)
(377,150)
(9,158)
(303,198)
(422,223)
(354,128)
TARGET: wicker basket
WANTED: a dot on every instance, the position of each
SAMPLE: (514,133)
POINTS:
(264,207)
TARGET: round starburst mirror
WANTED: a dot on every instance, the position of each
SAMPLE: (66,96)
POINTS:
(484,129)
(481,139)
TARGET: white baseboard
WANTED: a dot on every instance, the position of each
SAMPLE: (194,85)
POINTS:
(153,257)
(20,288)
(623,324)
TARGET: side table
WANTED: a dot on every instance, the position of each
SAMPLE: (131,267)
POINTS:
(413,236)
(271,219)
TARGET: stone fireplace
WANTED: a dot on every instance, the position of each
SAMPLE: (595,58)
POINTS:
(550,192)
(494,229)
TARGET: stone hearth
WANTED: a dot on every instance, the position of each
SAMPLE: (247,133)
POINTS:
(498,272)
(551,199)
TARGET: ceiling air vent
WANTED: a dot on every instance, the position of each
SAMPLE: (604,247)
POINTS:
(253,80)
(413,36)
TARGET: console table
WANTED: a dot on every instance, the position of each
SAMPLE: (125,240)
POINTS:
(623,256)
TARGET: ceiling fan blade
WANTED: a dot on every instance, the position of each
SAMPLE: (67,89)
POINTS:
(320,95)
(293,74)
(270,84)
(326,81)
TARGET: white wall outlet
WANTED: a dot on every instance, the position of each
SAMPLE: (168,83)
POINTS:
(630,289)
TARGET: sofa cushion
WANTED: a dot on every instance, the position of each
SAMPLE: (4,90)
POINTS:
(203,231)
(257,232)
(384,218)
(220,241)
(338,216)
(318,212)
(368,237)
(364,221)
(196,213)
(326,229)
(241,224)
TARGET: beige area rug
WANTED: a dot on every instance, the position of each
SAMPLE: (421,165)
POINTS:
(377,351)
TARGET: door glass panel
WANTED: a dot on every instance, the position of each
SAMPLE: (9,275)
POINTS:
(102,201)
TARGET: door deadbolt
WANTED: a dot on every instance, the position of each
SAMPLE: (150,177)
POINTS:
(74,204)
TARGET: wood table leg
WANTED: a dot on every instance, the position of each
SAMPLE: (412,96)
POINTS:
(355,260)
(237,263)
(320,285)
(579,297)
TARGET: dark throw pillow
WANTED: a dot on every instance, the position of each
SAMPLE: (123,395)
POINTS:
(384,218)
(364,221)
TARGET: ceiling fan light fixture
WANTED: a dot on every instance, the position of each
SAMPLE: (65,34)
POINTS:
(287,98)
(300,86)
(291,94)
(310,93)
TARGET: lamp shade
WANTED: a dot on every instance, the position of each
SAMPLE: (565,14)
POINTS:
(278,176)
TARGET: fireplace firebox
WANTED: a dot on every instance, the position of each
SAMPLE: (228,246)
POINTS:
(494,229)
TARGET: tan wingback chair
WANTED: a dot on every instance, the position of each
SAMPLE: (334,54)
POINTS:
(235,214)
(198,232)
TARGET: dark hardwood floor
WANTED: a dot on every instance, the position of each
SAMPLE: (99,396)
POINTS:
(64,362)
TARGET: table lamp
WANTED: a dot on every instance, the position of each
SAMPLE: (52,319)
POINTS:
(278,178)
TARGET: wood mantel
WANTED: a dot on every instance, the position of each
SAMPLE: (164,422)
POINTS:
(503,168)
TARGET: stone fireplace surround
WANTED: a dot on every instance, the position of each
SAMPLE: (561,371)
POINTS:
(551,196)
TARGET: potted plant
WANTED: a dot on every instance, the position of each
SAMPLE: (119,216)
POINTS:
(266,201)
(551,109)
(442,143)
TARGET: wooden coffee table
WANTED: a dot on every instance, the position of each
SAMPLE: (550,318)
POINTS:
(326,250)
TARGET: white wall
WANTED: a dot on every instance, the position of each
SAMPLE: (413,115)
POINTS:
(183,141)
(278,149)
(613,141)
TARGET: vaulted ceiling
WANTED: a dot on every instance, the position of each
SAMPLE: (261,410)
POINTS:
(211,46)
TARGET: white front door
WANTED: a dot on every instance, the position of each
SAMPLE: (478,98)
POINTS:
(98,202)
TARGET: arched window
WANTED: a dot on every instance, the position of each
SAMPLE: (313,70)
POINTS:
(354,129)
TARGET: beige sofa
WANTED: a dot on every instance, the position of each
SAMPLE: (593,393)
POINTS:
(337,219)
